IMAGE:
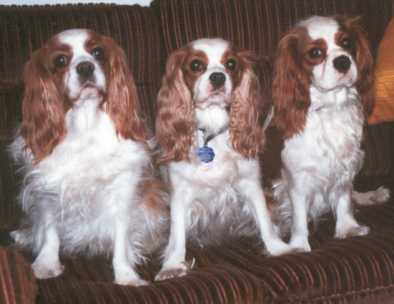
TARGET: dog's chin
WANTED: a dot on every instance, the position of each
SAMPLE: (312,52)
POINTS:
(216,99)
(340,81)
(89,92)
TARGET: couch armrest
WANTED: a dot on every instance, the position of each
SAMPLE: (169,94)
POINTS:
(17,282)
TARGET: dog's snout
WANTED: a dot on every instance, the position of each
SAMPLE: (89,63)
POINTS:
(85,69)
(342,63)
(217,79)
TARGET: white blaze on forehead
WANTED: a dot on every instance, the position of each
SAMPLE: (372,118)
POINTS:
(321,28)
(203,90)
(213,48)
(76,38)
(325,75)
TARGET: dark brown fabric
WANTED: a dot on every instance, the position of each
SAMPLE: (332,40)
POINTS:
(356,270)
(17,283)
(336,271)
(259,24)
(90,281)
(10,111)
(379,147)
(9,117)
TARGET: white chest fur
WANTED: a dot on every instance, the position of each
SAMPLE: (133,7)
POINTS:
(331,140)
(213,192)
(91,147)
(222,170)
(89,178)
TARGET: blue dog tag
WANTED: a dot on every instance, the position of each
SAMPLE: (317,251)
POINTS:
(206,154)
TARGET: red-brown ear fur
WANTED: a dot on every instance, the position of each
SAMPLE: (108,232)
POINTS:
(174,120)
(245,130)
(43,109)
(290,87)
(122,99)
(364,62)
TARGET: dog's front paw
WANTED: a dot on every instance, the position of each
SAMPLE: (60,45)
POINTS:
(349,231)
(278,247)
(172,272)
(300,244)
(125,275)
(45,270)
(20,237)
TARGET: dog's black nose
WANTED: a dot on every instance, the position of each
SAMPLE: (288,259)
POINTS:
(342,63)
(85,69)
(217,79)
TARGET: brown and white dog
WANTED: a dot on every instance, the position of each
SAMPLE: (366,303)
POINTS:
(208,130)
(88,182)
(322,92)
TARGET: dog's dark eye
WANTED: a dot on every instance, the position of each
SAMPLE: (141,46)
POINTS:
(60,61)
(315,52)
(231,64)
(196,65)
(98,53)
(346,43)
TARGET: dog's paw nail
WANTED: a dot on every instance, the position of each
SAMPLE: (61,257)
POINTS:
(278,248)
(300,245)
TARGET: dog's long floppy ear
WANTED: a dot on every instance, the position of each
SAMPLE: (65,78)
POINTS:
(43,108)
(364,61)
(122,103)
(245,112)
(174,120)
(290,87)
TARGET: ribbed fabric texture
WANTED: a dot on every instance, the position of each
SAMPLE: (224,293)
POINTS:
(356,270)
(89,281)
(17,283)
(259,24)
(9,117)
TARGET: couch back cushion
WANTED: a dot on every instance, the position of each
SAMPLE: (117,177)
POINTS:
(259,24)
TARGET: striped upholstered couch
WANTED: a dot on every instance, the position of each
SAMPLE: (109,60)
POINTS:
(356,270)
